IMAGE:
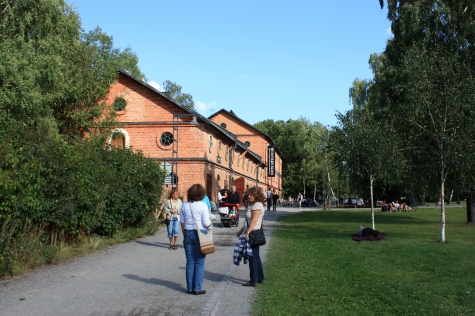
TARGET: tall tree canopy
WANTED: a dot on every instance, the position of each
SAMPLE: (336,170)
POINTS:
(300,142)
(183,99)
(428,84)
(51,69)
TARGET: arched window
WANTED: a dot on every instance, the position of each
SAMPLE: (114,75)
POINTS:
(119,138)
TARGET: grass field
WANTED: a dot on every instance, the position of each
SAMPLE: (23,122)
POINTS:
(313,267)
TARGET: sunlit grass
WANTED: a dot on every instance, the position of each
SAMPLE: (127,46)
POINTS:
(313,266)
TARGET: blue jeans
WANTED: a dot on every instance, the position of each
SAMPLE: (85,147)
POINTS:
(256,271)
(173,227)
(195,261)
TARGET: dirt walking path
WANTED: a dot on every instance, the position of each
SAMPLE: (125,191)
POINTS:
(142,277)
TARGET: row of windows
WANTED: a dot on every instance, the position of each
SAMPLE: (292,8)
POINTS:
(166,139)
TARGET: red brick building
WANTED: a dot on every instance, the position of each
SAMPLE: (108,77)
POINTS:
(209,152)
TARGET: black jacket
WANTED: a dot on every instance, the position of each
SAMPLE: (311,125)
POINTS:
(233,198)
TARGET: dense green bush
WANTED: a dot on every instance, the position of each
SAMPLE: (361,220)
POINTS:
(55,191)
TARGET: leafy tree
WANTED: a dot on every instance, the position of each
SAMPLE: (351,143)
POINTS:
(51,69)
(128,61)
(428,83)
(364,143)
(299,142)
(183,99)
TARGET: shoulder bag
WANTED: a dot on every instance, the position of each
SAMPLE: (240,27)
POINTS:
(257,237)
(206,239)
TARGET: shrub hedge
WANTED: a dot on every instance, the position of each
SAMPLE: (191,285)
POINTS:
(56,191)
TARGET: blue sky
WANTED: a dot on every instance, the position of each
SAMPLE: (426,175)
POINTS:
(262,59)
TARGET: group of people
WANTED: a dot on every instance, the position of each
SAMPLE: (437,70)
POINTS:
(394,206)
(195,214)
(230,197)
(271,198)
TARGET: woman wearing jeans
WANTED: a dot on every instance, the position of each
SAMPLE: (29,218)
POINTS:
(254,217)
(194,210)
(172,209)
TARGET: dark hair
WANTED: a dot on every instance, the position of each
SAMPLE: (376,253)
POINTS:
(196,193)
(170,195)
(257,194)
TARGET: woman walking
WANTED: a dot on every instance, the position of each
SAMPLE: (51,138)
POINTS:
(172,209)
(195,215)
(254,217)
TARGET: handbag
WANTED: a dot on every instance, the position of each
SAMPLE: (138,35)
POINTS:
(257,237)
(206,239)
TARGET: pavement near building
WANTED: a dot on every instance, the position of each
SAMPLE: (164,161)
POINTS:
(142,277)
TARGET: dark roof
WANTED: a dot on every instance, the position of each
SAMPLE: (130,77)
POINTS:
(205,120)
(231,112)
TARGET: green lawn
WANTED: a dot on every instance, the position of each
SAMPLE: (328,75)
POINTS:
(313,266)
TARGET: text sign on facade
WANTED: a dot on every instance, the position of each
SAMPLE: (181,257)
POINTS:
(271,161)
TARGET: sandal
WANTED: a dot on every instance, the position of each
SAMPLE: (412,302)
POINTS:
(175,247)
(249,284)
(170,248)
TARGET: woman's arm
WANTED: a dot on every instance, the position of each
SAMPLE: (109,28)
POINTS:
(205,216)
(168,206)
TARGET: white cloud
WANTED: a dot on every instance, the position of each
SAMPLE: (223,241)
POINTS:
(388,32)
(155,85)
(243,76)
(204,109)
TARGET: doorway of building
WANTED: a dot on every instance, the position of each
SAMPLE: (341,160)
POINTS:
(209,186)
(239,184)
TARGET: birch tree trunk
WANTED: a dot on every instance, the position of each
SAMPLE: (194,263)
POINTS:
(471,207)
(372,202)
(442,205)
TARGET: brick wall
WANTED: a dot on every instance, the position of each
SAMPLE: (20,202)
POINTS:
(148,115)
(258,144)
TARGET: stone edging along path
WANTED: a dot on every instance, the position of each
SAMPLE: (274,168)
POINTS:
(142,277)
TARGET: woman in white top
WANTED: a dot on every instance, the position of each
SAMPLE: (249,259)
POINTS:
(194,215)
(254,217)
(172,209)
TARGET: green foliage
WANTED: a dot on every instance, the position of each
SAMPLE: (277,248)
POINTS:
(51,69)
(299,141)
(183,99)
(410,273)
(58,182)
(60,191)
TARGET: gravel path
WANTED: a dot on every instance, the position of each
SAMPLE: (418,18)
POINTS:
(142,277)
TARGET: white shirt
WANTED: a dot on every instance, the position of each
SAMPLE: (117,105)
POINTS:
(200,213)
(269,194)
(255,206)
